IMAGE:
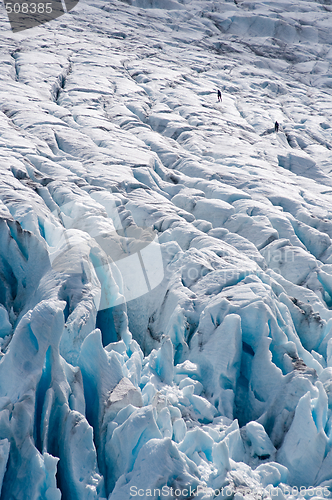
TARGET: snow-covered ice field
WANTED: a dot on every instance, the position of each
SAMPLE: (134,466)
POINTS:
(165,258)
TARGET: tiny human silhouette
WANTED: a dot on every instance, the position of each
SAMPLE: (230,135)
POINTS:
(276,127)
(219,96)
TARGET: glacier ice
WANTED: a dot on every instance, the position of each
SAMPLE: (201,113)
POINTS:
(166,259)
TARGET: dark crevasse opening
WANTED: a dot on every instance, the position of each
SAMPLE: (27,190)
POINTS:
(105,323)
(111,322)
(42,387)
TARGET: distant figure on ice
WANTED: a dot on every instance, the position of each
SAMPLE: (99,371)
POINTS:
(276,127)
(219,96)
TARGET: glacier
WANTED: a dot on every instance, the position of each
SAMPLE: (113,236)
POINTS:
(165,258)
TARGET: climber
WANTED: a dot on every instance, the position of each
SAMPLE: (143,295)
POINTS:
(219,96)
(276,127)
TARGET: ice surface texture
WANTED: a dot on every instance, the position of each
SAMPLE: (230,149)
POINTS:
(165,258)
